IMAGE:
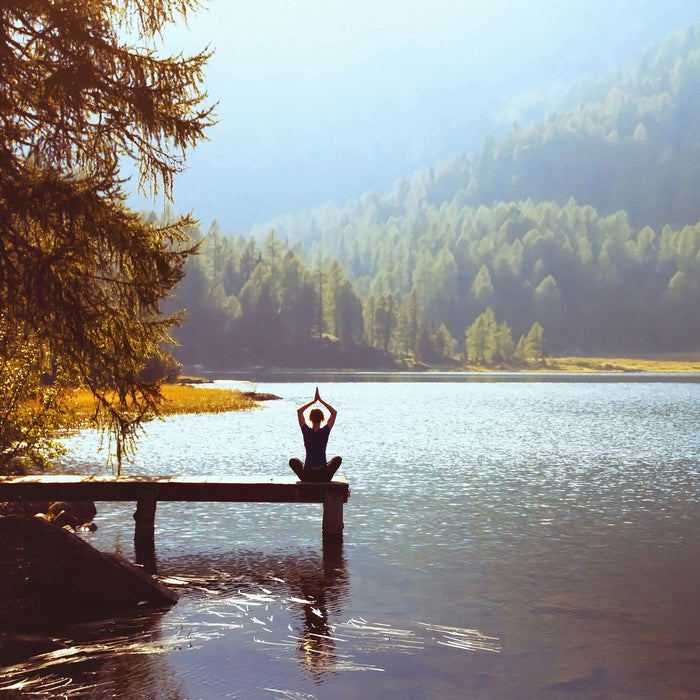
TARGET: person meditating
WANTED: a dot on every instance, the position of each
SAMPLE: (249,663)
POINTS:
(315,467)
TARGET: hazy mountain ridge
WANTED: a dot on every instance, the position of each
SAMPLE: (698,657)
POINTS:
(590,153)
(297,129)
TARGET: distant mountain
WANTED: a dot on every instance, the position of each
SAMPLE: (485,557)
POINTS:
(635,148)
(296,138)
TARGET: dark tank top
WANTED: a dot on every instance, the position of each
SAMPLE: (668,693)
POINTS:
(315,444)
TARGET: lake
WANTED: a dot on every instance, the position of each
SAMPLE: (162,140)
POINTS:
(504,538)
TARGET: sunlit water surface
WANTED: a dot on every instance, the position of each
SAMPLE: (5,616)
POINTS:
(502,540)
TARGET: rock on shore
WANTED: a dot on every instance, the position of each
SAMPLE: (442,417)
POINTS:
(50,576)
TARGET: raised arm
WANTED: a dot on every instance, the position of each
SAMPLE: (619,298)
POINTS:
(300,413)
(331,410)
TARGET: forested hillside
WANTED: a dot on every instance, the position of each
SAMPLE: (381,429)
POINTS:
(583,226)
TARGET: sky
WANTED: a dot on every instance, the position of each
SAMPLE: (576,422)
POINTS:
(317,34)
(323,100)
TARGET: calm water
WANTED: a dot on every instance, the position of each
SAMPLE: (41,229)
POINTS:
(503,540)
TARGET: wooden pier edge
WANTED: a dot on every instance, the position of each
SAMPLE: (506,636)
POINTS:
(147,491)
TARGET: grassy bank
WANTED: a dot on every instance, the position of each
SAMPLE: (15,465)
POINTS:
(177,399)
(625,364)
(183,398)
(689,363)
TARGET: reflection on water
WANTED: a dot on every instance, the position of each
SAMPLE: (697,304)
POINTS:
(273,609)
(125,657)
(282,602)
(288,601)
(321,588)
(316,377)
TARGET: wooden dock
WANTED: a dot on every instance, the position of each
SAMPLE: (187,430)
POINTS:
(146,491)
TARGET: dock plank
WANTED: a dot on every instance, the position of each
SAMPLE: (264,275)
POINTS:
(146,491)
(213,488)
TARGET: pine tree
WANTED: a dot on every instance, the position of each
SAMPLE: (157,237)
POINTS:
(534,342)
(486,340)
(82,277)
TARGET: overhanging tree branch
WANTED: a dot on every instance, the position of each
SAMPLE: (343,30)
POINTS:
(83,275)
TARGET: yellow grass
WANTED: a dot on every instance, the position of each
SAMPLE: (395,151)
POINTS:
(177,399)
(689,362)
(617,364)
(197,399)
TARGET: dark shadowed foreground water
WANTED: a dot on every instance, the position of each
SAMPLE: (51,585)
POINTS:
(503,540)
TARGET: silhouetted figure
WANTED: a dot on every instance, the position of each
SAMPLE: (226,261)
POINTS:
(315,466)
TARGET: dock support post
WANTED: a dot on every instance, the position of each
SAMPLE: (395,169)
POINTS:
(145,555)
(333,515)
(145,517)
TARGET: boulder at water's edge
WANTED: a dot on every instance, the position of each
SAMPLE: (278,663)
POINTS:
(51,576)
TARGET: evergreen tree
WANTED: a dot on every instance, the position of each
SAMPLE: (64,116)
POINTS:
(503,343)
(409,325)
(385,320)
(349,315)
(488,341)
(531,346)
(482,288)
(298,301)
(81,277)
(477,339)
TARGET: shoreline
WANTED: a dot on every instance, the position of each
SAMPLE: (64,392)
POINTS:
(193,392)
(568,366)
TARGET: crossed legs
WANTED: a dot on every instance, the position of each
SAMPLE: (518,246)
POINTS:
(315,473)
